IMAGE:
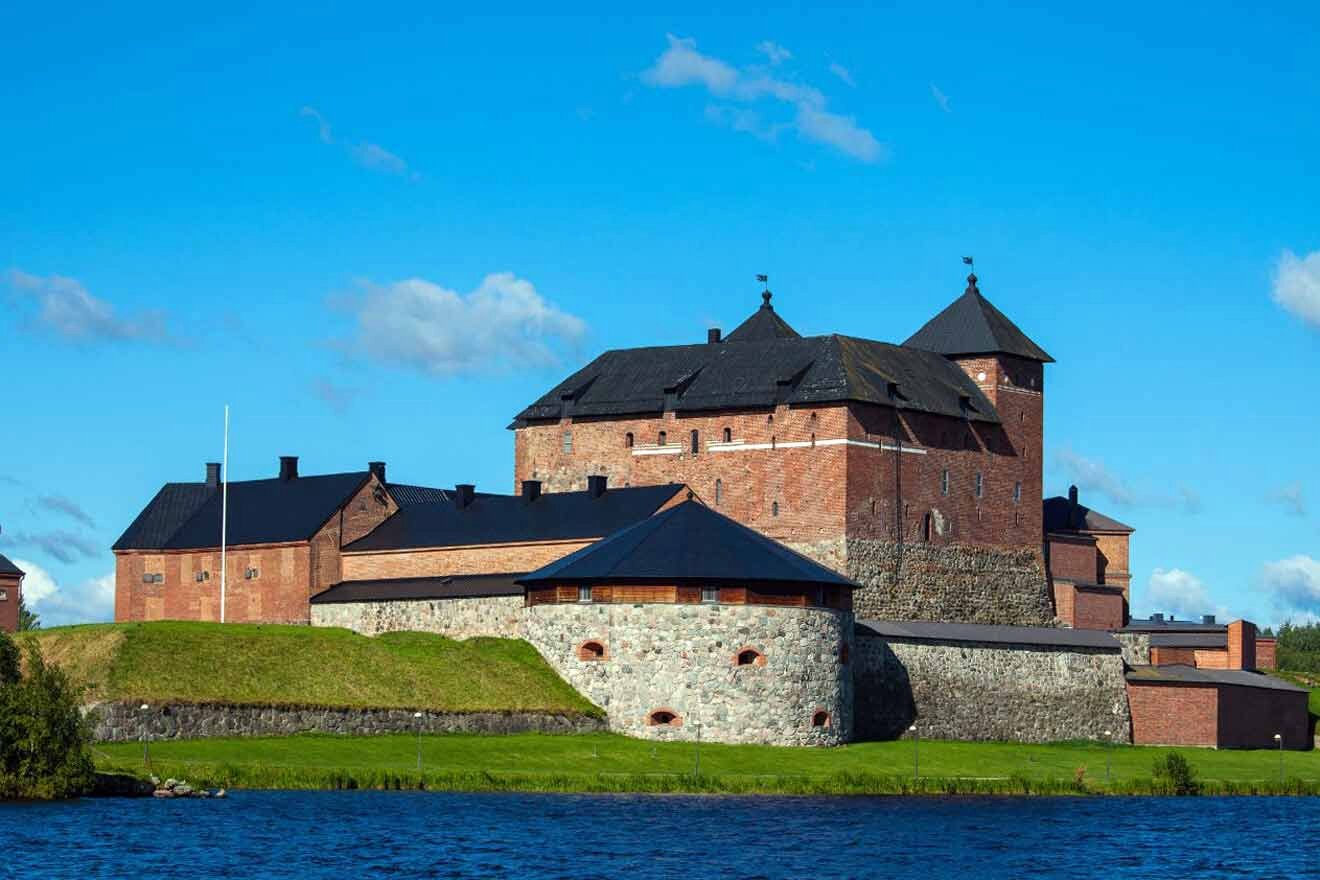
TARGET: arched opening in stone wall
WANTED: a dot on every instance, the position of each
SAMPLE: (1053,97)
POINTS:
(749,656)
(820,719)
(664,718)
(591,650)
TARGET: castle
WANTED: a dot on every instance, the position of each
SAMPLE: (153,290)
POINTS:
(854,539)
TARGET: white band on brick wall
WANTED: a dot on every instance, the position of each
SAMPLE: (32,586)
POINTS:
(742,446)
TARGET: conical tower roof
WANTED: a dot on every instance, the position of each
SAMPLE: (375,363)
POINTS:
(972,325)
(764,324)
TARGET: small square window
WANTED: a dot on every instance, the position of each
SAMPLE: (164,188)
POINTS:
(584,594)
(710,595)
(4,596)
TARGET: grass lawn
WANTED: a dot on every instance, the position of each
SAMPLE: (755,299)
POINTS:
(171,661)
(612,762)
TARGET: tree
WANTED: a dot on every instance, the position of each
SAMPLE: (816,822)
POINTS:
(27,620)
(43,736)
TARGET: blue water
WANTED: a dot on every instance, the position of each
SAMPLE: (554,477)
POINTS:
(344,835)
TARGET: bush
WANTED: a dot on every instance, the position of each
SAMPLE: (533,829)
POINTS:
(1173,775)
(43,736)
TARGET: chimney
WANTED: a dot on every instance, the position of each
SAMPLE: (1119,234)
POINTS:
(1242,645)
(463,495)
(213,474)
(1073,519)
(596,485)
(713,335)
(288,467)
(1157,617)
(1207,618)
(531,490)
(377,468)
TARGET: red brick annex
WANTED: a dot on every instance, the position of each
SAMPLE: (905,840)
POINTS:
(912,471)
(11,592)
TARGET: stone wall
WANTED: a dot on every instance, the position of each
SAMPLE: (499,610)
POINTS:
(951,582)
(683,659)
(1136,647)
(126,722)
(978,691)
(495,616)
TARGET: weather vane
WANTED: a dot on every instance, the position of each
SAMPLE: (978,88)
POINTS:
(967,261)
(764,279)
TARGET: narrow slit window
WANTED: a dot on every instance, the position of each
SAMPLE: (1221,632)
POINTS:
(774,508)
(944,482)
(980,485)
(719,492)
(728,435)
(568,441)
(1017,492)
(663,437)
(628,440)
(696,442)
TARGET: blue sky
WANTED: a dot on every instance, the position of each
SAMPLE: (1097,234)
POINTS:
(378,234)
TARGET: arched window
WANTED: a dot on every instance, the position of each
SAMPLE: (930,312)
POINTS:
(628,440)
(663,438)
(770,419)
(719,491)
(820,719)
(664,718)
(591,650)
(728,435)
(774,508)
(749,656)
(696,443)
(772,441)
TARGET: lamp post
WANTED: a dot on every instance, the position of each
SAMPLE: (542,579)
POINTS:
(1279,739)
(916,753)
(417,718)
(1109,744)
(146,749)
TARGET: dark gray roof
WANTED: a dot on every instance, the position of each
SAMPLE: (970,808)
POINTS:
(1179,674)
(763,373)
(1151,625)
(7,567)
(972,325)
(467,586)
(504,519)
(764,324)
(1060,516)
(1189,640)
(405,495)
(929,631)
(688,542)
(164,515)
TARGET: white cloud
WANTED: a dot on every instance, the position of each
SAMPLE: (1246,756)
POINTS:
(1174,591)
(1297,285)
(775,52)
(67,309)
(365,153)
(1092,475)
(1290,497)
(682,65)
(504,324)
(91,601)
(1294,583)
(940,98)
(842,73)
(338,397)
(67,547)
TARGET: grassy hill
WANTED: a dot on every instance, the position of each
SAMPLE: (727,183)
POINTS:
(171,661)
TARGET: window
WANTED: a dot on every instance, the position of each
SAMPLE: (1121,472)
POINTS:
(251,574)
(770,419)
(820,719)
(696,443)
(198,577)
(813,439)
(584,593)
(628,440)
(663,438)
(664,718)
(710,595)
(568,441)
(4,596)
(153,578)
(772,441)
(728,435)
(925,528)
(591,651)
(774,508)
(980,485)
(749,657)
(719,492)
(944,482)
(1017,492)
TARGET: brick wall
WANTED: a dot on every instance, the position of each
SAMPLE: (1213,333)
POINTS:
(456,560)
(1172,656)
(1094,609)
(10,586)
(1265,653)
(1241,645)
(1112,553)
(1173,714)
(1073,558)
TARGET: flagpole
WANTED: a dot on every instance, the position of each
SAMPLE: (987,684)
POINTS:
(224,517)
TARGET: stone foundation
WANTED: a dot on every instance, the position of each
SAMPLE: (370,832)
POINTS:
(126,722)
(977,691)
(681,658)
(495,616)
(1136,648)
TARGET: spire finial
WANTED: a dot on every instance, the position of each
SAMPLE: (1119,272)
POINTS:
(765,294)
(971,279)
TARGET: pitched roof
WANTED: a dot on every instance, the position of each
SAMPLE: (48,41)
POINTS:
(164,515)
(467,586)
(972,325)
(7,567)
(504,519)
(687,542)
(1151,625)
(1180,674)
(405,495)
(763,372)
(930,631)
(1189,640)
(764,324)
(1061,517)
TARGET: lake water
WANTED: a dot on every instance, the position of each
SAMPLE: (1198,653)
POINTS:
(344,835)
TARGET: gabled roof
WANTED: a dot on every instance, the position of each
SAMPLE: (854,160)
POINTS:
(972,325)
(1181,674)
(1190,640)
(508,519)
(1061,517)
(466,586)
(764,372)
(7,567)
(764,324)
(686,543)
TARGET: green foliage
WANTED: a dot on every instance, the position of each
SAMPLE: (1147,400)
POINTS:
(9,660)
(43,736)
(27,620)
(1172,774)
(1298,647)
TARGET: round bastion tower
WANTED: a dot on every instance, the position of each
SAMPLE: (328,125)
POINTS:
(688,624)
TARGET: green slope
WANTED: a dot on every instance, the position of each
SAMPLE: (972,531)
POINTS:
(171,661)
